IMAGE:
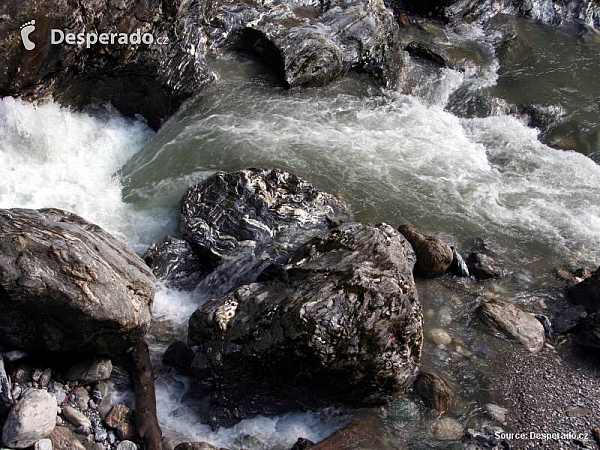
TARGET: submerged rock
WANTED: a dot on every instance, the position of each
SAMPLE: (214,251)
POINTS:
(67,285)
(32,418)
(342,320)
(435,391)
(368,433)
(237,224)
(434,256)
(514,323)
(483,267)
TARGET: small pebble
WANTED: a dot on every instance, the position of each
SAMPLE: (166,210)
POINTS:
(439,336)
(43,444)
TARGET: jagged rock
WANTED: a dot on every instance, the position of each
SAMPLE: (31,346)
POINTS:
(483,267)
(435,392)
(310,43)
(120,418)
(434,256)
(514,323)
(238,224)
(151,80)
(342,319)
(90,370)
(67,285)
(174,260)
(31,419)
(63,439)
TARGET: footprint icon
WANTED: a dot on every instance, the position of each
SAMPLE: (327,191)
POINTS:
(26,30)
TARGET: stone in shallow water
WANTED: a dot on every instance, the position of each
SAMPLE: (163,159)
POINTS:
(435,391)
(513,323)
(439,336)
(448,429)
(31,419)
(434,256)
(483,267)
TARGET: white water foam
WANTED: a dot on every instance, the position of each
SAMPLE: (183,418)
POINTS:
(178,417)
(53,157)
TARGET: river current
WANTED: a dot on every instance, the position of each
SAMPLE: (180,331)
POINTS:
(394,157)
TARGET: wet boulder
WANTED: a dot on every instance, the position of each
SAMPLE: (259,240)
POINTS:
(67,285)
(434,256)
(483,267)
(149,78)
(310,43)
(435,391)
(513,323)
(586,293)
(341,322)
(237,224)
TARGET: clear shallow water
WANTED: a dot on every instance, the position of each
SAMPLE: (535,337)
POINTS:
(393,157)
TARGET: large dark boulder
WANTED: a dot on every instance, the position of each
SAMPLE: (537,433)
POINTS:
(151,80)
(587,293)
(309,43)
(235,225)
(67,285)
(341,321)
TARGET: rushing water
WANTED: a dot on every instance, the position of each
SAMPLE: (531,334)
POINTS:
(394,157)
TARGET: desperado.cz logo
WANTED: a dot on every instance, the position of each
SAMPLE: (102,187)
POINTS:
(88,39)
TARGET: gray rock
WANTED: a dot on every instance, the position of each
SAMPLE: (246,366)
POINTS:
(67,285)
(32,418)
(345,304)
(126,445)
(90,370)
(57,390)
(434,256)
(77,418)
(45,377)
(195,446)
(496,412)
(435,391)
(43,444)
(483,267)
(513,323)
(82,398)
(179,355)
(311,43)
(63,439)
(240,223)
(6,394)
(303,444)
(14,356)
(151,80)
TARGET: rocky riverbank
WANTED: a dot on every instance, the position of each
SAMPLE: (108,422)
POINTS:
(299,306)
